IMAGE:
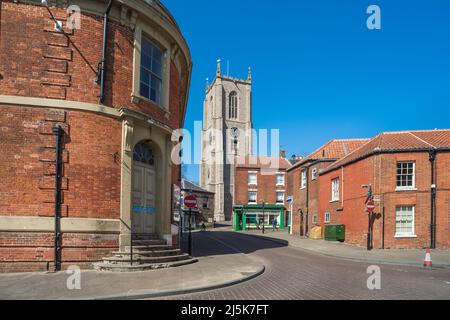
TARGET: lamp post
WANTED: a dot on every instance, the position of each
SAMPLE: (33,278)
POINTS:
(263,216)
(369,214)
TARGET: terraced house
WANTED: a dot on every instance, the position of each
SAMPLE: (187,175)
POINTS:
(409,173)
(303,182)
(87,114)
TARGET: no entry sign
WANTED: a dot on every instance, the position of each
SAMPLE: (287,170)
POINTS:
(370,206)
(190,201)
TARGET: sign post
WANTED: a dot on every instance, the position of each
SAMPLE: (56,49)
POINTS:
(190,202)
(290,201)
(370,207)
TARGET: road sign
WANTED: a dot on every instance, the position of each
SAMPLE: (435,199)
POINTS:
(370,206)
(190,201)
(289,200)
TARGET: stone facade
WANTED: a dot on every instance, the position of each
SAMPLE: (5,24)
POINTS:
(48,79)
(227,109)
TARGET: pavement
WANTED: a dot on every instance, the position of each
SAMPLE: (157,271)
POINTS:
(293,273)
(218,266)
(441,258)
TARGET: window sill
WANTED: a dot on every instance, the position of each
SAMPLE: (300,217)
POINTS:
(333,201)
(135,98)
(302,188)
(280,185)
(405,236)
(400,189)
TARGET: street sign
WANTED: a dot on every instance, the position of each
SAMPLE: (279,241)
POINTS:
(370,206)
(190,201)
(289,200)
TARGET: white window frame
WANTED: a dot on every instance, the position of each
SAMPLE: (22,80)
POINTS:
(406,188)
(303,179)
(315,219)
(256,178)
(314,174)
(147,31)
(335,192)
(284,178)
(327,217)
(412,233)
(276,196)
(256,197)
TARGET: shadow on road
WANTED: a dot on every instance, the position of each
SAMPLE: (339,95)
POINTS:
(222,243)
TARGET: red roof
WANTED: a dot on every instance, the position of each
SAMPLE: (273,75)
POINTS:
(398,141)
(333,150)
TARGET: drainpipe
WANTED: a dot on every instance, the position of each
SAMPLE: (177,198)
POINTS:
(307,203)
(433,200)
(383,230)
(58,132)
(102,65)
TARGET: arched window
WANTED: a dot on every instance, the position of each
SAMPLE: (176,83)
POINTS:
(143,153)
(233,106)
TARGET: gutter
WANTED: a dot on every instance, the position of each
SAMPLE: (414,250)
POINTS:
(376,152)
(433,153)
(102,65)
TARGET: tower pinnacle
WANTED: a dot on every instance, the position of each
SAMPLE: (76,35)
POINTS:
(218,68)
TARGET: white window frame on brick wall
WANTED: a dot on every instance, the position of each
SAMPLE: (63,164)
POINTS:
(400,214)
(280,174)
(276,197)
(303,179)
(315,219)
(335,189)
(402,175)
(251,183)
(327,217)
(256,196)
(314,174)
(143,30)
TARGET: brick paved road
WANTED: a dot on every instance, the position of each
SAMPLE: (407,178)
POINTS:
(296,274)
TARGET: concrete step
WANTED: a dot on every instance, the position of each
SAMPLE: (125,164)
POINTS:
(145,260)
(155,242)
(141,267)
(140,253)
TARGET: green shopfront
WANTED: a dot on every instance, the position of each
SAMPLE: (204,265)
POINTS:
(248,217)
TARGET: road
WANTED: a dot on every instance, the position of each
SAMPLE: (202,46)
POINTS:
(294,274)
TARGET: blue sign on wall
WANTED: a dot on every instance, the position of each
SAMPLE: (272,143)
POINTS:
(138,208)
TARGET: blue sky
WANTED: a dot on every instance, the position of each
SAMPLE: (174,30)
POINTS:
(318,72)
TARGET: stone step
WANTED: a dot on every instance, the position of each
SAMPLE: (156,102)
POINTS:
(145,260)
(150,248)
(157,242)
(140,253)
(145,237)
(141,267)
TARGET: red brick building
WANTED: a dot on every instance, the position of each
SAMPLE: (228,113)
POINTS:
(260,180)
(303,182)
(117,128)
(410,177)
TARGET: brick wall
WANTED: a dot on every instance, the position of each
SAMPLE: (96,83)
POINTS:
(380,171)
(266,186)
(300,196)
(40,62)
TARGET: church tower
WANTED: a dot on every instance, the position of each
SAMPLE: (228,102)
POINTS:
(226,136)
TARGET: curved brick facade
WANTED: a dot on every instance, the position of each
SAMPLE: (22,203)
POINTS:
(44,74)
